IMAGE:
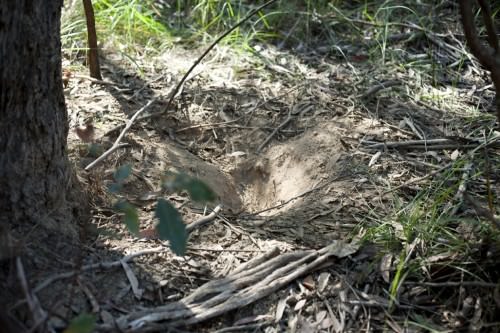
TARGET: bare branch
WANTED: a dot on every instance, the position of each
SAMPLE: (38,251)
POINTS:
(490,26)
(482,52)
(487,54)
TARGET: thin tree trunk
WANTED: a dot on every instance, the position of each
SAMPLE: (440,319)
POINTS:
(92,53)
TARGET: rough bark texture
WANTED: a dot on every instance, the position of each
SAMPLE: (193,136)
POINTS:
(37,194)
(34,169)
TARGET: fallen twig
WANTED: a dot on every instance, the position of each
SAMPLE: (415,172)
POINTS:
(315,188)
(379,86)
(101,265)
(151,233)
(39,315)
(486,143)
(208,125)
(441,147)
(395,144)
(458,198)
(453,284)
(419,179)
(270,136)
(110,83)
(106,154)
(116,145)
(198,223)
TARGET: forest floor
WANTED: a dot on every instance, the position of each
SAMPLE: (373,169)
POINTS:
(342,185)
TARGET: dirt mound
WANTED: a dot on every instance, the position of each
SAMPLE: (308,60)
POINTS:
(287,170)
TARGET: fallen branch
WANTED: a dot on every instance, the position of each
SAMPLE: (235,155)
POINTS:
(378,87)
(101,265)
(250,282)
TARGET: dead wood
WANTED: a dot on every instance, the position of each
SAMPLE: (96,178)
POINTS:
(248,283)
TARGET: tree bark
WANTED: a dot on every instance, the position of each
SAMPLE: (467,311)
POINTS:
(39,201)
(92,53)
(34,170)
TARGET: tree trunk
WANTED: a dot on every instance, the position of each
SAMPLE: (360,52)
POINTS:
(39,201)
(34,169)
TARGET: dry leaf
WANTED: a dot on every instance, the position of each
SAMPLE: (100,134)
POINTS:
(252,319)
(374,158)
(385,267)
(280,309)
(86,133)
(320,316)
(308,282)
(323,281)
(300,304)
(305,326)
(134,283)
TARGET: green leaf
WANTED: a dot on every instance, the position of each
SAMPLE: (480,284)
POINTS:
(175,181)
(114,187)
(199,191)
(95,150)
(131,216)
(122,173)
(83,323)
(171,227)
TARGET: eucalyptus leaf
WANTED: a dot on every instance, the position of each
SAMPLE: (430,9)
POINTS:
(131,216)
(199,191)
(171,227)
(114,187)
(122,173)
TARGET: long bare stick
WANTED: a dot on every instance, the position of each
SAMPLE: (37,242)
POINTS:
(200,58)
(117,145)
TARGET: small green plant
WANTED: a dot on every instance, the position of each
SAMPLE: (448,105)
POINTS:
(83,323)
(423,228)
(170,225)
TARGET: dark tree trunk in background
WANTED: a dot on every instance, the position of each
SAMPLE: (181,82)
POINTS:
(34,169)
